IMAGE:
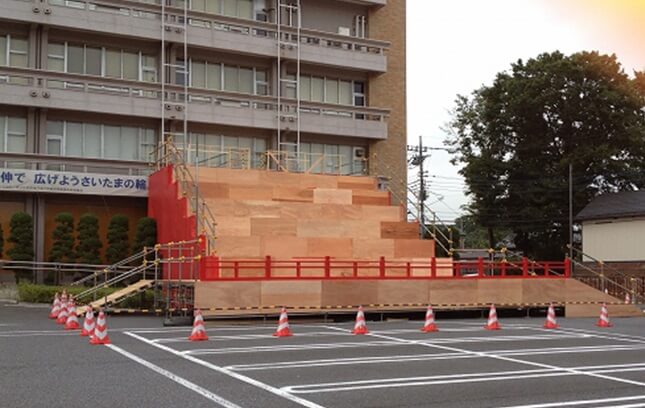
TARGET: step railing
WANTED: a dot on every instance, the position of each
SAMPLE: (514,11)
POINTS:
(618,282)
(123,266)
(168,154)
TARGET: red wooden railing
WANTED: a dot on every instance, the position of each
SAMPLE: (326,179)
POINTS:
(328,268)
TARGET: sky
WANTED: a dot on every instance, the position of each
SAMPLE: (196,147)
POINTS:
(456,46)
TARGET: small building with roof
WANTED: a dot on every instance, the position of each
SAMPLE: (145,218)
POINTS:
(613,227)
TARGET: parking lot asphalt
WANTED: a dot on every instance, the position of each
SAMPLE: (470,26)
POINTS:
(322,365)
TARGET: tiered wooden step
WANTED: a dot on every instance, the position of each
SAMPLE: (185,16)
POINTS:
(287,215)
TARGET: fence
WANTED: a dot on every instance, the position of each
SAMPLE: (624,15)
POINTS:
(216,269)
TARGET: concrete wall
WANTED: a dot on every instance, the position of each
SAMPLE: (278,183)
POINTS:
(615,240)
(388,157)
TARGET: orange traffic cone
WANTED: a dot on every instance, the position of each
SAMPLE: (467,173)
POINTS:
(63,313)
(100,330)
(72,318)
(283,325)
(492,323)
(88,323)
(429,325)
(550,322)
(53,314)
(199,332)
(360,327)
(603,321)
(628,299)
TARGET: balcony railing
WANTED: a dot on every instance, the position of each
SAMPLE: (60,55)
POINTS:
(141,11)
(40,84)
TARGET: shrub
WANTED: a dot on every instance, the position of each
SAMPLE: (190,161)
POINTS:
(89,244)
(146,234)
(117,238)
(63,239)
(21,235)
(1,241)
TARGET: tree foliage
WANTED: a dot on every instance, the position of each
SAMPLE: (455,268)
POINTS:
(118,246)
(21,235)
(89,244)
(517,138)
(62,249)
(1,241)
(146,234)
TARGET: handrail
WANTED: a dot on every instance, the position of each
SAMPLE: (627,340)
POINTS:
(55,80)
(241,26)
(168,154)
(114,280)
(602,263)
(330,268)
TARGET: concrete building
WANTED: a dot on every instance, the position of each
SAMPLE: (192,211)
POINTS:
(90,88)
(613,230)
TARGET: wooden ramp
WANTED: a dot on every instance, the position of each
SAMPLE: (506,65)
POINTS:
(118,295)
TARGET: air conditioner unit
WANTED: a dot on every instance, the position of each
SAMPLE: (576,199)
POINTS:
(344,31)
(359,152)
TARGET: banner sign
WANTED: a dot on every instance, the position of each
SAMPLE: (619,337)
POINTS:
(45,181)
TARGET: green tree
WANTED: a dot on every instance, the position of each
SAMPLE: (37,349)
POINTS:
(517,138)
(21,235)
(146,234)
(89,244)
(118,245)
(1,241)
(63,239)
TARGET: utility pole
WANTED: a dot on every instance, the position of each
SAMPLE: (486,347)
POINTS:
(417,159)
(570,211)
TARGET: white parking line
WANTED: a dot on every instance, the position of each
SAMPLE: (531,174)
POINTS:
(289,347)
(173,377)
(584,402)
(459,378)
(503,358)
(243,337)
(248,380)
(428,357)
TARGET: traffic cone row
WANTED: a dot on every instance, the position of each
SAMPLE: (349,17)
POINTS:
(429,325)
(53,314)
(493,323)
(283,325)
(88,323)
(72,320)
(100,331)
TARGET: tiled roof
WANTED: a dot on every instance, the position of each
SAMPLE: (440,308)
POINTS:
(617,205)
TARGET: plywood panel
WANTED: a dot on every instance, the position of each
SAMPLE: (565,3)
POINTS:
(253,192)
(345,293)
(543,290)
(577,291)
(242,247)
(499,291)
(297,194)
(414,248)
(382,212)
(452,291)
(334,247)
(367,248)
(283,293)
(594,311)
(277,227)
(233,226)
(332,196)
(356,183)
(370,197)
(227,294)
(400,230)
(285,247)
(403,292)
(213,190)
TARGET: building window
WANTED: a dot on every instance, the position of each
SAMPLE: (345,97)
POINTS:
(225,151)
(99,141)
(106,62)
(211,75)
(13,134)
(331,90)
(14,51)
(336,159)
(231,8)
